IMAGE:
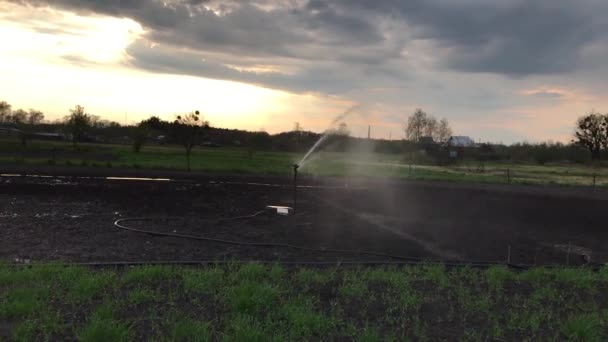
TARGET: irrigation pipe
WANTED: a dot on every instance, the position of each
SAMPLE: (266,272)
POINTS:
(119,224)
(269,262)
(173,180)
(472,264)
(400,259)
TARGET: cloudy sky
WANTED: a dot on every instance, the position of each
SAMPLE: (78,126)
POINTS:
(505,71)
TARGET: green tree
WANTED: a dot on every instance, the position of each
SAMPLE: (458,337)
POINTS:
(188,130)
(155,123)
(77,124)
(139,135)
(258,141)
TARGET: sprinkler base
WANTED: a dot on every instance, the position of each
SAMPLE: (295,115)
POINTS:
(280,210)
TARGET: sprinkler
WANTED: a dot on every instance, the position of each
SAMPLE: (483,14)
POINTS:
(295,186)
(282,210)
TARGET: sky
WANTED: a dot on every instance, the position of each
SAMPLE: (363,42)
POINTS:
(499,71)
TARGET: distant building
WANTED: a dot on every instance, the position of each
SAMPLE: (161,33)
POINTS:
(457,145)
(210,144)
(160,139)
(460,141)
(426,140)
(49,136)
(10,129)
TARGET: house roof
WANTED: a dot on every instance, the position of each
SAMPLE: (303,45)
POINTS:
(461,140)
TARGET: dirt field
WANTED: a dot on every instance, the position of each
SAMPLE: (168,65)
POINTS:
(72,220)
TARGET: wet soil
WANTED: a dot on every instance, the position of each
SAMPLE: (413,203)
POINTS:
(73,220)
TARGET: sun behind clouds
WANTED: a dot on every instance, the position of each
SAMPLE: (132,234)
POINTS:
(55,59)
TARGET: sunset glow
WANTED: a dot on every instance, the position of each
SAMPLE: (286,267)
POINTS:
(53,57)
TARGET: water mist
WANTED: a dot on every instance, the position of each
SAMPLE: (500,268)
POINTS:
(327,132)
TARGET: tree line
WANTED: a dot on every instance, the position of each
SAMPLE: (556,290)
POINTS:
(19,116)
(591,133)
(187,129)
(191,129)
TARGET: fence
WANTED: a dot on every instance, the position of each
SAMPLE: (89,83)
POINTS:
(520,174)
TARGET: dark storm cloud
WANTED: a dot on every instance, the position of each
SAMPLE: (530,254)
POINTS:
(318,78)
(512,37)
(356,41)
(316,45)
(245,26)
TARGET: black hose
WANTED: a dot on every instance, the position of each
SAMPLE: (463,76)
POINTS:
(479,264)
(471,264)
(401,259)
(118,223)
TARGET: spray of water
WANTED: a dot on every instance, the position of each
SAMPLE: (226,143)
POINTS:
(327,132)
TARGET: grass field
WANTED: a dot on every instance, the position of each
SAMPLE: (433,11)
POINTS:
(253,302)
(237,160)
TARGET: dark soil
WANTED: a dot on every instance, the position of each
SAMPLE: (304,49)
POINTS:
(72,220)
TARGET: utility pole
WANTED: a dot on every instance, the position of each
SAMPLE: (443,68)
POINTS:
(369,132)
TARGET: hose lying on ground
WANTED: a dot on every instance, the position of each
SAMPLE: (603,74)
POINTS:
(119,224)
(403,259)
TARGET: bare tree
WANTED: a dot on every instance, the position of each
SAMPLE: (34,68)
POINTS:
(188,130)
(416,125)
(592,133)
(18,116)
(430,127)
(444,132)
(77,124)
(34,117)
(25,121)
(422,124)
(5,111)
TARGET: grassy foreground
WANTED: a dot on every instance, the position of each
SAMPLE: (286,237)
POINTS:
(254,302)
(240,160)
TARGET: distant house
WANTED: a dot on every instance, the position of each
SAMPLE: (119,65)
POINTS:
(425,140)
(460,141)
(160,139)
(457,145)
(49,136)
(210,144)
